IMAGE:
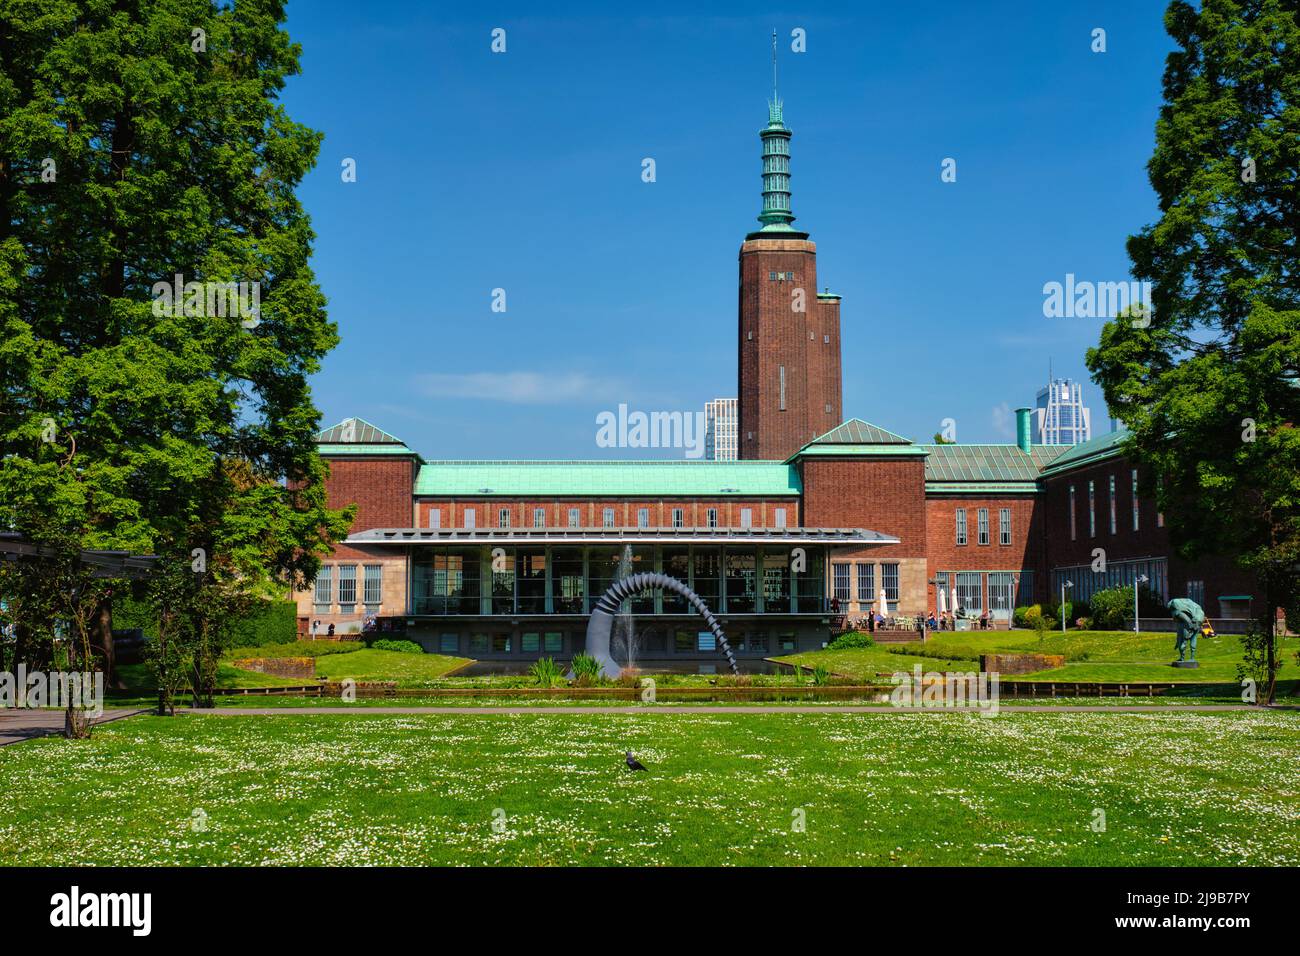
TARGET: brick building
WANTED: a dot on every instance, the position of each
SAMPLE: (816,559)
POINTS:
(505,559)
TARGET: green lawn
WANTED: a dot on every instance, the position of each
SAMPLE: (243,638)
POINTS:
(1177,789)
(1090,655)
(409,670)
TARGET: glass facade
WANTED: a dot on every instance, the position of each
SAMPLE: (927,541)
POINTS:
(1087,582)
(569,579)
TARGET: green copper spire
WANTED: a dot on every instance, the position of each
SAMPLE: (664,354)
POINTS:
(776,216)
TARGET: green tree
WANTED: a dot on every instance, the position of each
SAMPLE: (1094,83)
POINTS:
(1207,383)
(141,140)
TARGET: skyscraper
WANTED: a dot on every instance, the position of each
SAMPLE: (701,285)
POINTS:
(789,334)
(720,429)
(1060,417)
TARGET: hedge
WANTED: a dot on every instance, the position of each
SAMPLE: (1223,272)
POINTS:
(274,622)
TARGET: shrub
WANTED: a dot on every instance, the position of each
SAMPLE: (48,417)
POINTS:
(586,669)
(851,639)
(403,647)
(1040,625)
(545,671)
(1052,611)
(1111,607)
(821,675)
(1021,616)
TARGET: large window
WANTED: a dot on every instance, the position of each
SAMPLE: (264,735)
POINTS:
(676,564)
(1092,509)
(1004,526)
(1114,507)
(530,580)
(373,595)
(983,517)
(643,517)
(446,581)
(746,517)
(866,583)
(566,581)
(1001,594)
(778,517)
(575,518)
(435,517)
(961,526)
(1136,510)
(469,517)
(503,518)
(1087,582)
(708,575)
(324,596)
(347,587)
(889,581)
(840,581)
(712,515)
(503,581)
(679,518)
(741,598)
(969,591)
(539,517)
(608,517)
(776,581)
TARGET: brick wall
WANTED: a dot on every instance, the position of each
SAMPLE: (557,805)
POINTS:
(880,494)
(1024,553)
(381,488)
(773,336)
(1220,574)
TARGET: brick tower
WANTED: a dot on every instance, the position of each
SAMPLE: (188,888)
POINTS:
(789,359)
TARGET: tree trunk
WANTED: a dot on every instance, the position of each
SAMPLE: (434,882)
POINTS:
(76,722)
(1270,637)
(102,628)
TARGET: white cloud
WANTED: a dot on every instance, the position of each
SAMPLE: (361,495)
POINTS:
(1004,421)
(518,388)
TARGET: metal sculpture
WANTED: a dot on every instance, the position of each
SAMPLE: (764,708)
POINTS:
(606,609)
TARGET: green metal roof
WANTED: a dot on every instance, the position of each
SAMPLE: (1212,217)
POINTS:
(860,451)
(356,431)
(981,487)
(606,478)
(857,432)
(359,449)
(988,463)
(1109,445)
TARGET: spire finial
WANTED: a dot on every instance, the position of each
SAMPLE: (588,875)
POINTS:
(774,65)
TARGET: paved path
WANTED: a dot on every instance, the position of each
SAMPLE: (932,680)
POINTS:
(17,724)
(723,709)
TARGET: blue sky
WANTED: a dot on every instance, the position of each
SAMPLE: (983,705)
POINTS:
(522,171)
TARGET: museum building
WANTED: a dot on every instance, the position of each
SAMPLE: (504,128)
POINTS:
(822,518)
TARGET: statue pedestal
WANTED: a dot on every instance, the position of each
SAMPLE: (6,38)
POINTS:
(1189,665)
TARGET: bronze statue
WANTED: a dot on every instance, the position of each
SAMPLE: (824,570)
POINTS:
(1187,614)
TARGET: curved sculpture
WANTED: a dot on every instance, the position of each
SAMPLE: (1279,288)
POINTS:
(602,616)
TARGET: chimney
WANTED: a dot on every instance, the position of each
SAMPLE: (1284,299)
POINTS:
(1023,431)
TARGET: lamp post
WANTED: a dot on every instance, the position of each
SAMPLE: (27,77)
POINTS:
(1064,585)
(1140,580)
